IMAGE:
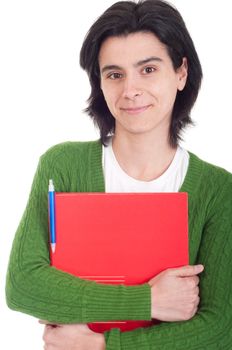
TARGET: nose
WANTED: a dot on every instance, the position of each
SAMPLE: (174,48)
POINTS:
(131,88)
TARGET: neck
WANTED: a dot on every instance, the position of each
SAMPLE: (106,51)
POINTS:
(143,157)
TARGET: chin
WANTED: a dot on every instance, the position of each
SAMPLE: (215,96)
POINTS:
(139,131)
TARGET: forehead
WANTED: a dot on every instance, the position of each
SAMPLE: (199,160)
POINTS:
(129,48)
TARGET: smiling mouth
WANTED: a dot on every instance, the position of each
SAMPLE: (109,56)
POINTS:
(136,110)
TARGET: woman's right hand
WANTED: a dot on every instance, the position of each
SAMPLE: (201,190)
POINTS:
(175,293)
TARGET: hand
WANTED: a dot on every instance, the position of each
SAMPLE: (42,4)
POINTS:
(71,337)
(175,293)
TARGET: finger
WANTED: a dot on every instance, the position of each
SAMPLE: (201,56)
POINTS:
(45,334)
(197,301)
(191,282)
(196,291)
(187,271)
(80,326)
(195,311)
(195,279)
(44,322)
(48,334)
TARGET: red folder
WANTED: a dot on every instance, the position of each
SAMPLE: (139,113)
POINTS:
(125,238)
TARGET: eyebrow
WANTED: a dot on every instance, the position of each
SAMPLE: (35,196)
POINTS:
(137,64)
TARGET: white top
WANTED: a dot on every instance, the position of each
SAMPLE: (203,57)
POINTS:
(117,180)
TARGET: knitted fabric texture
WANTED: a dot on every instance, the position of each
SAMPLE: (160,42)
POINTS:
(36,288)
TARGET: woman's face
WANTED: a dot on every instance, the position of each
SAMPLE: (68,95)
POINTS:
(139,82)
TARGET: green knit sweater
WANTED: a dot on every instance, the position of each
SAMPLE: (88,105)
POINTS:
(37,289)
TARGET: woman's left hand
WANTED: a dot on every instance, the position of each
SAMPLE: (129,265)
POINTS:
(71,337)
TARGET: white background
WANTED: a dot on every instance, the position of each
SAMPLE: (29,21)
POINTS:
(43,92)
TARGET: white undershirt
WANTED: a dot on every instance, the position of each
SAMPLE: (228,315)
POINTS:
(117,180)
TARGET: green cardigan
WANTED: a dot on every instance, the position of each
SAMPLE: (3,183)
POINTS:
(37,289)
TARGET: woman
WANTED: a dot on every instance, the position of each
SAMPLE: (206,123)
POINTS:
(145,76)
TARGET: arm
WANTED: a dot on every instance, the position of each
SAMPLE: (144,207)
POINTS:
(210,328)
(173,300)
(36,288)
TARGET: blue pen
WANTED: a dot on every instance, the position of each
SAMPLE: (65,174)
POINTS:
(52,224)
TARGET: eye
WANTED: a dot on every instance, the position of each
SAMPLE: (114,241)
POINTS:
(114,76)
(148,70)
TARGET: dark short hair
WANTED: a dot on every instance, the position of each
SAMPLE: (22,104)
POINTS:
(166,23)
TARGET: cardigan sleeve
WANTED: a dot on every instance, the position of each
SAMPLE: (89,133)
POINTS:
(36,288)
(210,328)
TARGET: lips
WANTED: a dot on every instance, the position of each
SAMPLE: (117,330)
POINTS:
(136,110)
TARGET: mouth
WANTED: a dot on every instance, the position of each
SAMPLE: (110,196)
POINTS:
(136,110)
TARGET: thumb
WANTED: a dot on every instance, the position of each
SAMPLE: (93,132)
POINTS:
(187,271)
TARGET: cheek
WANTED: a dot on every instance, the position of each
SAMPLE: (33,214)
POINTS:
(110,98)
(167,92)
(110,103)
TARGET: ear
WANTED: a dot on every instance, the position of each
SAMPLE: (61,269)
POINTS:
(182,74)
